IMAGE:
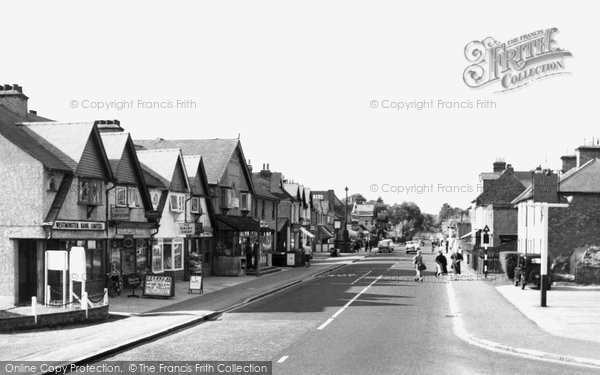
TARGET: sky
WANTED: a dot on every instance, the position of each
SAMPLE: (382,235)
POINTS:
(308,86)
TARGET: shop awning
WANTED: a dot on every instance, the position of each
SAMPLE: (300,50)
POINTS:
(281,224)
(470,233)
(324,232)
(307,232)
(237,223)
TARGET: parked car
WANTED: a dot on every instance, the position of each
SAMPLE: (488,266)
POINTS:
(385,246)
(527,271)
(413,246)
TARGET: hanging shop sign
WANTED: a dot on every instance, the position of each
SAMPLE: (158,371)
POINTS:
(119,213)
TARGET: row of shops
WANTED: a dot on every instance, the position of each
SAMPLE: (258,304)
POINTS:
(137,207)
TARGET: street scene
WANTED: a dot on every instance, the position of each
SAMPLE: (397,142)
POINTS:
(268,188)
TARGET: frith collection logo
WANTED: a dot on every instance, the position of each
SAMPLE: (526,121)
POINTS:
(515,63)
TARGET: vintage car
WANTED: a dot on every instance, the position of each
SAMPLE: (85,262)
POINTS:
(527,271)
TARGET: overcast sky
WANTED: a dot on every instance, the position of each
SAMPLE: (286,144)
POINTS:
(296,81)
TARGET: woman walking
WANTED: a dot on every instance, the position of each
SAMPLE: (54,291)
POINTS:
(419,266)
(456,259)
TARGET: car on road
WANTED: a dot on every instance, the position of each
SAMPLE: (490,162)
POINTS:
(413,246)
(385,246)
(527,271)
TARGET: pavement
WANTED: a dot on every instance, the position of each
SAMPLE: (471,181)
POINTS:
(508,319)
(136,320)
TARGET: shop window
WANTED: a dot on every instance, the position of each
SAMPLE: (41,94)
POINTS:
(169,253)
(157,259)
(94,269)
(90,192)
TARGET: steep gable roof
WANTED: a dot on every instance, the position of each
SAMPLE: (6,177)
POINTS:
(168,164)
(75,144)
(293,190)
(216,153)
(262,185)
(17,136)
(122,156)
(197,175)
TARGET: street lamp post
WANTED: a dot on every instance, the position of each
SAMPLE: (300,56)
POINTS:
(346,222)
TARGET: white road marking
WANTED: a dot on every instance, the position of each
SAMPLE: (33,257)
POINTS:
(282,359)
(461,332)
(347,304)
(352,283)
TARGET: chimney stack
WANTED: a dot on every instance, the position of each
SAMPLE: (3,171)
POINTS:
(499,166)
(568,162)
(586,153)
(109,126)
(12,97)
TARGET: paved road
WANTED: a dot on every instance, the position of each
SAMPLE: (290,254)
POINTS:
(369,317)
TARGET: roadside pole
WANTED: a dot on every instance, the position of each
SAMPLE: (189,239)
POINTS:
(544,265)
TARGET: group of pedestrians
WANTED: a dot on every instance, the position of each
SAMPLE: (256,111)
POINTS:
(441,264)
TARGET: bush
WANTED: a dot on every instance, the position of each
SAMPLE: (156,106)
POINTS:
(511,263)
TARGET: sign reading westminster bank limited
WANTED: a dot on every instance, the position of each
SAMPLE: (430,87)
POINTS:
(515,63)
(78,225)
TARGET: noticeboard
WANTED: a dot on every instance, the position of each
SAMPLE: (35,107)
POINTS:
(159,286)
(545,187)
(195,283)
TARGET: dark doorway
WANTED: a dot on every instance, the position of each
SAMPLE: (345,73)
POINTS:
(27,270)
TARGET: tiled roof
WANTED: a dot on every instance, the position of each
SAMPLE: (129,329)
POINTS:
(216,153)
(163,162)
(153,179)
(291,189)
(585,179)
(26,142)
(66,141)
(262,186)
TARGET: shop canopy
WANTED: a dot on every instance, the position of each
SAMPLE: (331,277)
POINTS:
(325,233)
(307,232)
(237,223)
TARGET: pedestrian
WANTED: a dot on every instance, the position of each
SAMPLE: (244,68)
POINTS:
(419,266)
(432,247)
(446,246)
(442,264)
(248,252)
(255,254)
(307,253)
(456,260)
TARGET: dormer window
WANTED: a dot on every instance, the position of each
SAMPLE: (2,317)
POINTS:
(127,196)
(246,202)
(195,206)
(177,202)
(52,185)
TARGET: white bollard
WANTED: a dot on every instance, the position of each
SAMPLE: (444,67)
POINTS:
(84,303)
(105,296)
(34,308)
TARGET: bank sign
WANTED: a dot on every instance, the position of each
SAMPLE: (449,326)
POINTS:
(78,225)
(515,63)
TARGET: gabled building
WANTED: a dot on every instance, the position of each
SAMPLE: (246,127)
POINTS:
(54,178)
(132,221)
(267,197)
(569,227)
(169,248)
(290,209)
(328,207)
(231,190)
(200,229)
(493,208)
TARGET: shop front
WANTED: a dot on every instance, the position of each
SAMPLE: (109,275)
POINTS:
(237,246)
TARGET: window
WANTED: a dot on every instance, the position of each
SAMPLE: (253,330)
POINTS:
(195,206)
(155,199)
(177,202)
(246,202)
(167,255)
(121,196)
(52,186)
(133,197)
(273,211)
(90,192)
(262,214)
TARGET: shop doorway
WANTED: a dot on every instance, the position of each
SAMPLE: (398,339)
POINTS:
(27,270)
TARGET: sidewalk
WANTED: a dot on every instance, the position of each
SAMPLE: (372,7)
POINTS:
(142,319)
(509,319)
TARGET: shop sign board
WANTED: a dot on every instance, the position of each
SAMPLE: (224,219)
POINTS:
(78,225)
(159,286)
(119,213)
